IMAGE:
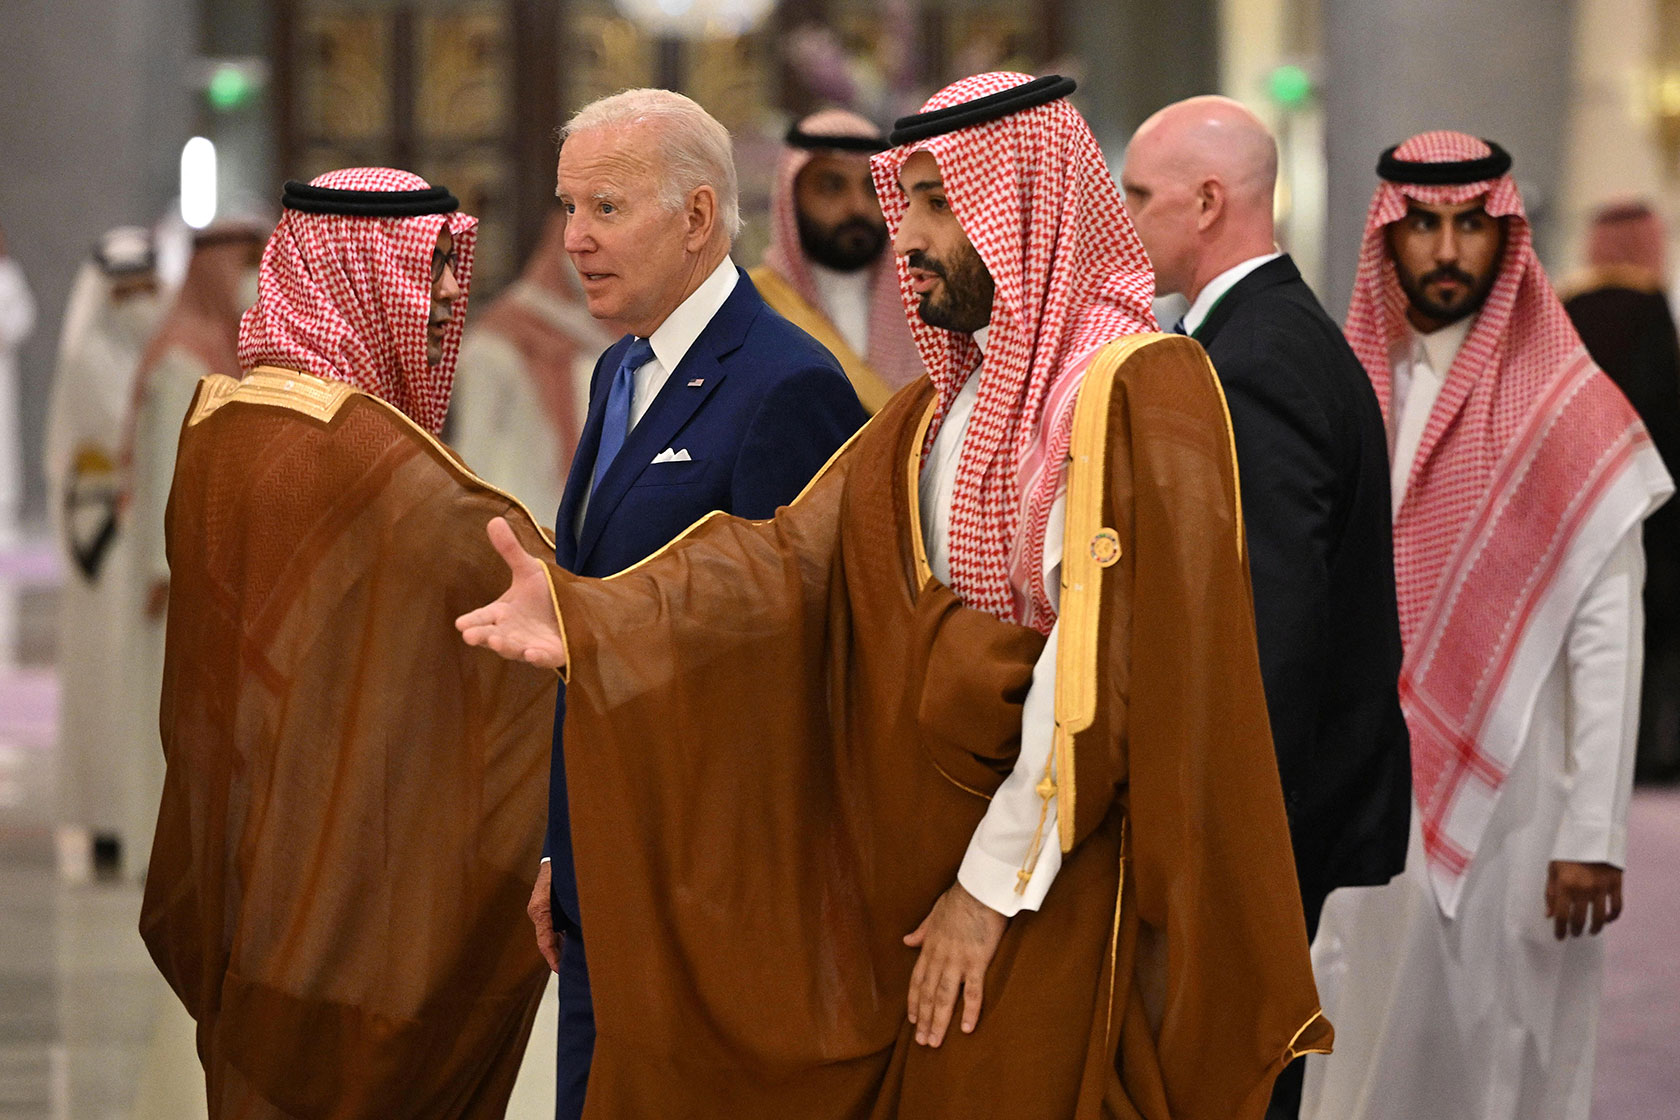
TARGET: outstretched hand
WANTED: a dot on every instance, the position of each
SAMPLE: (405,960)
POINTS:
(521,625)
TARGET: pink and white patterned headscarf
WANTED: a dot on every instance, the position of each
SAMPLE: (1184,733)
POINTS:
(1035,197)
(344,289)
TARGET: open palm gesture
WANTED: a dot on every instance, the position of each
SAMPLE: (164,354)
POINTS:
(521,625)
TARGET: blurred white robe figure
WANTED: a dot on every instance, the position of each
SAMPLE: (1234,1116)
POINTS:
(17,321)
(522,384)
(198,336)
(115,305)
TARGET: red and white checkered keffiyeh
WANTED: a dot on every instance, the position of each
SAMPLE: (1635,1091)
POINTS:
(348,298)
(1531,467)
(1033,194)
(892,352)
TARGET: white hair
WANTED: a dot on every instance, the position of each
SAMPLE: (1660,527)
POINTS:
(696,149)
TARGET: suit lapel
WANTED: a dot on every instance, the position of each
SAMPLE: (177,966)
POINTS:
(672,409)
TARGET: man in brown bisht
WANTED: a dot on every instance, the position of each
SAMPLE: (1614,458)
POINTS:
(979,712)
(351,807)
(827,269)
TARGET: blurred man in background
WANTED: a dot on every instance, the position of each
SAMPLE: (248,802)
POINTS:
(828,268)
(1620,306)
(115,305)
(198,337)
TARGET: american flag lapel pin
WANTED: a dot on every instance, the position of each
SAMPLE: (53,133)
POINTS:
(695,383)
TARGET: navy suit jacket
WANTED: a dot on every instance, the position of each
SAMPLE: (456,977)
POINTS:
(1313,459)
(759,405)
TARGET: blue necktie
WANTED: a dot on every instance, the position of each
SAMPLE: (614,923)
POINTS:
(615,422)
(1178,327)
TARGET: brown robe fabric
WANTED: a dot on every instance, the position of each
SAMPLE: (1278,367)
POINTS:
(788,732)
(354,801)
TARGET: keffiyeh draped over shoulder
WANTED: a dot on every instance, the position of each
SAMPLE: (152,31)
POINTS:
(1531,467)
(1035,197)
(347,296)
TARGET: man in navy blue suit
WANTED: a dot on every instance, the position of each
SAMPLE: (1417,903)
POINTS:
(711,401)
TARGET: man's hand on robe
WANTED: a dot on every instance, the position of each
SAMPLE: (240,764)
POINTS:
(1575,890)
(521,625)
(958,939)
(541,910)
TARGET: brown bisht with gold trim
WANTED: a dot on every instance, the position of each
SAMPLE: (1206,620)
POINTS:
(788,732)
(354,802)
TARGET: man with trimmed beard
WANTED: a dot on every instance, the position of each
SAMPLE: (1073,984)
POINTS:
(1521,478)
(827,269)
(977,718)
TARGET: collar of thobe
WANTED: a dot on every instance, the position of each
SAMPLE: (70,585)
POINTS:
(1210,295)
(1439,348)
(980,338)
(845,300)
(672,339)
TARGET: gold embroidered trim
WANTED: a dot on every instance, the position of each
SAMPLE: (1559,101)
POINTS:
(1231,439)
(1114,936)
(321,399)
(924,570)
(1081,602)
(832,459)
(565,670)
(1294,1053)
(872,392)
(313,396)
(213,392)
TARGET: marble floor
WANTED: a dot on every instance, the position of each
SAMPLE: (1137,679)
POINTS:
(88,1030)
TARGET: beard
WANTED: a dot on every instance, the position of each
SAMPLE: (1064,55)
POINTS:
(1475,289)
(963,302)
(846,246)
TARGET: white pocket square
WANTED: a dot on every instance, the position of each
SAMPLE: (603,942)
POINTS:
(671,456)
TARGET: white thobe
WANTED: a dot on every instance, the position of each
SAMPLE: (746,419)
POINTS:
(86,419)
(1001,847)
(845,299)
(1487,1016)
(498,423)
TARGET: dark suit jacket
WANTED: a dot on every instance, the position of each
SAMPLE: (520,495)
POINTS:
(1312,458)
(759,406)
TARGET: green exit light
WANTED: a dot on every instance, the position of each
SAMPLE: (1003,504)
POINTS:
(1290,86)
(229,88)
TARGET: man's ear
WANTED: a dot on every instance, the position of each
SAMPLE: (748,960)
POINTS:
(702,216)
(1210,203)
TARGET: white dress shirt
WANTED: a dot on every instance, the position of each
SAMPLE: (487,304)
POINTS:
(671,341)
(1209,296)
(1419,369)
(998,851)
(845,300)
